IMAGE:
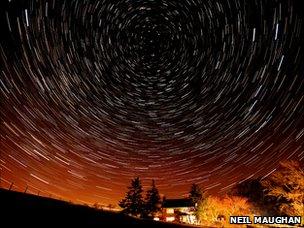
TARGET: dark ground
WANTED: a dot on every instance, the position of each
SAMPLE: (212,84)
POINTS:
(25,210)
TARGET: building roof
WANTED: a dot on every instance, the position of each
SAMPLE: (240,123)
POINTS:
(176,203)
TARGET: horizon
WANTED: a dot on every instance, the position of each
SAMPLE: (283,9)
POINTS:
(93,94)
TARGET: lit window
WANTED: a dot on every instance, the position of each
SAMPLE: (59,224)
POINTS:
(170,211)
(170,219)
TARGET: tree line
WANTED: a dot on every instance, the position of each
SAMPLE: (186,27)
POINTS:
(279,193)
(136,205)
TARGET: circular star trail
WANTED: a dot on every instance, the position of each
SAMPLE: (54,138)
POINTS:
(94,93)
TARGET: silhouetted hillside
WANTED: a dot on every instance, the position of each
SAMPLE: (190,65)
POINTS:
(33,211)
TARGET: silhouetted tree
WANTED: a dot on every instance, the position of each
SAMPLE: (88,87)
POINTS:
(153,201)
(133,203)
(251,188)
(96,205)
(196,194)
(111,207)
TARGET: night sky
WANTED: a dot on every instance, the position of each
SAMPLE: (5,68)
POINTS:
(94,93)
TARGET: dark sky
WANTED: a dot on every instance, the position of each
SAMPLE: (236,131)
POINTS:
(94,93)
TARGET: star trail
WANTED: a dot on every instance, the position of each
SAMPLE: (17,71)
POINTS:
(94,93)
